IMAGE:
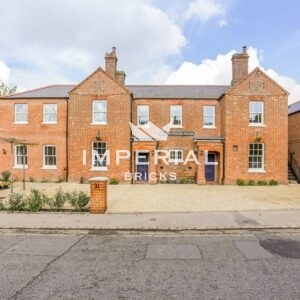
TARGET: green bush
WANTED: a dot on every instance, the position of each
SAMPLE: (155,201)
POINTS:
(251,182)
(262,182)
(59,199)
(2,206)
(273,182)
(5,175)
(240,181)
(59,180)
(81,180)
(31,179)
(78,200)
(36,200)
(113,181)
(16,202)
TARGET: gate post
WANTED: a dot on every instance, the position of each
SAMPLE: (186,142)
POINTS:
(98,195)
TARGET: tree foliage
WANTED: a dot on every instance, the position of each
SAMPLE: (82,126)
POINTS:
(6,91)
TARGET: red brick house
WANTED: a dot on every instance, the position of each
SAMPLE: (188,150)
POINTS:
(150,133)
(294,138)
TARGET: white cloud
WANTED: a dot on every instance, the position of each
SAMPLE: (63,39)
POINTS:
(61,41)
(219,71)
(4,72)
(205,10)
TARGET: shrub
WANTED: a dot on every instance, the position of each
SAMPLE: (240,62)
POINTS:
(5,175)
(36,200)
(113,181)
(58,200)
(16,202)
(2,206)
(240,181)
(81,180)
(78,200)
(262,182)
(273,182)
(31,179)
(251,182)
(59,180)
(44,180)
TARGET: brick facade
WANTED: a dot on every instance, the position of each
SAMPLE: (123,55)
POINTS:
(227,142)
(294,137)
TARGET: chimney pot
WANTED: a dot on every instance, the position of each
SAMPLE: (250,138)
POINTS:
(245,50)
(239,66)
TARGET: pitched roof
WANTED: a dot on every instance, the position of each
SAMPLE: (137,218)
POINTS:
(293,108)
(52,91)
(138,91)
(178,91)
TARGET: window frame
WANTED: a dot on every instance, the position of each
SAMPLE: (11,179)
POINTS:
(254,113)
(99,112)
(172,116)
(209,116)
(255,155)
(176,158)
(138,115)
(18,156)
(16,121)
(47,113)
(45,166)
(103,167)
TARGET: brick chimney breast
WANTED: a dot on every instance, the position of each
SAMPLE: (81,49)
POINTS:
(239,66)
(111,63)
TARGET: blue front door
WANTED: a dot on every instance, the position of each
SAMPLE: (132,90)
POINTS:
(210,169)
(142,169)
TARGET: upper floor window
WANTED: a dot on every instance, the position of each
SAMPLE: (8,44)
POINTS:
(21,113)
(142,115)
(49,156)
(20,156)
(256,157)
(176,115)
(208,116)
(50,113)
(256,113)
(99,111)
(99,155)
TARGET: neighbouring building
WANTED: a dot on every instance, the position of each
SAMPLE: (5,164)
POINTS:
(294,138)
(149,133)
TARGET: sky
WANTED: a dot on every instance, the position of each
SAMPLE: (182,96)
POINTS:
(158,41)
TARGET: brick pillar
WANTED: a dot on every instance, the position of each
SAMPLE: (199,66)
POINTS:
(98,194)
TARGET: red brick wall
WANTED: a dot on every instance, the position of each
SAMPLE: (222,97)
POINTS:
(235,109)
(294,135)
(34,132)
(82,133)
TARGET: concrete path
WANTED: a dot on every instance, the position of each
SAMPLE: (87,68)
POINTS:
(154,221)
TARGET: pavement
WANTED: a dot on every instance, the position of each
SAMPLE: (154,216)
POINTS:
(171,207)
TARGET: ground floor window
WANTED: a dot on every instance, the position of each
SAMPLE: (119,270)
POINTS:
(256,157)
(49,156)
(175,156)
(20,156)
(99,157)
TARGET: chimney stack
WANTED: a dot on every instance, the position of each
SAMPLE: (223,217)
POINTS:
(111,63)
(239,66)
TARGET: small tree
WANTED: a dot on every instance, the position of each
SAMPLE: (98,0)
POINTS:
(6,91)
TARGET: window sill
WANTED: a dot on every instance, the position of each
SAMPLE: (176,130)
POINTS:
(176,126)
(143,126)
(49,123)
(209,127)
(99,169)
(49,168)
(257,125)
(20,167)
(256,171)
(99,123)
(20,123)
